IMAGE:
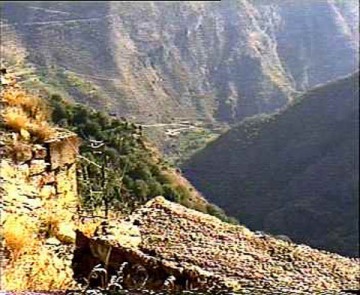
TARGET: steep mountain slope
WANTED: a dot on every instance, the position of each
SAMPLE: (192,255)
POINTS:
(294,172)
(201,61)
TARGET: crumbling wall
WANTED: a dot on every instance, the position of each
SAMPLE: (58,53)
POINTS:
(195,251)
(44,171)
(140,269)
(38,185)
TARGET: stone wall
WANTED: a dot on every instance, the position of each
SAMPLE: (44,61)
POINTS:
(39,181)
(38,208)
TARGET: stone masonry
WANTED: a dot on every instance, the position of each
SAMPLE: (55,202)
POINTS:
(39,181)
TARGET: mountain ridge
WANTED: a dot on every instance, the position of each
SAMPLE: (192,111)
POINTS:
(292,159)
(204,61)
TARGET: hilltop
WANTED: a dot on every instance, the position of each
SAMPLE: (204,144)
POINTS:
(294,172)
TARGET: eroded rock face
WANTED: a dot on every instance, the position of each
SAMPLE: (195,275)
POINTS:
(28,181)
(203,253)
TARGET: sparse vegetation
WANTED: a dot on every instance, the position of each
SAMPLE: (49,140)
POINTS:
(15,118)
(31,266)
(37,269)
(19,234)
(27,114)
(188,143)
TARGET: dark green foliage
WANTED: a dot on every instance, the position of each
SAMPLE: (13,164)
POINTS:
(123,171)
(171,193)
(293,173)
(220,213)
(117,170)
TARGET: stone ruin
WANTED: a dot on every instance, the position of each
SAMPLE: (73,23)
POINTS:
(36,175)
(176,248)
(45,170)
(139,269)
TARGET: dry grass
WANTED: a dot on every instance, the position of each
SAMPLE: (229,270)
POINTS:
(32,265)
(42,130)
(15,118)
(38,270)
(89,226)
(51,215)
(19,234)
(34,106)
(27,114)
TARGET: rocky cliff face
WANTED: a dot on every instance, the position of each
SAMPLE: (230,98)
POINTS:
(214,61)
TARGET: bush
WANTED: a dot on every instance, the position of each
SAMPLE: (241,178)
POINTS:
(15,118)
(34,106)
(215,211)
(171,194)
(59,112)
(42,130)
(141,189)
(155,189)
(26,113)
(19,234)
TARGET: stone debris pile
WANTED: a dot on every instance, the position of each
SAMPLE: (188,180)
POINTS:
(201,251)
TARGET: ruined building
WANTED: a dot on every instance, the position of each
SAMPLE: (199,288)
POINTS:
(38,201)
(195,251)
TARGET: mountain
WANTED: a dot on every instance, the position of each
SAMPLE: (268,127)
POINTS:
(207,61)
(295,172)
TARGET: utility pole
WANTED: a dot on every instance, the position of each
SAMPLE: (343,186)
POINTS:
(99,148)
(103,184)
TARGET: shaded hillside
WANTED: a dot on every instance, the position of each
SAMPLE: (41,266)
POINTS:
(295,172)
(212,60)
(118,166)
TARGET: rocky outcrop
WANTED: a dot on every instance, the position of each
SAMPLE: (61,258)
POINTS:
(201,252)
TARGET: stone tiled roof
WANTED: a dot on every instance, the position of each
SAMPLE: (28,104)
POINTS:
(174,233)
